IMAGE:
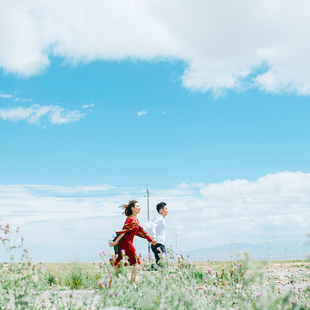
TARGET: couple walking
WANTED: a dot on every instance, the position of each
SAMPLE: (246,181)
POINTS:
(154,231)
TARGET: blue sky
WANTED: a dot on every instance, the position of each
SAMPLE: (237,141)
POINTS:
(185,136)
(205,103)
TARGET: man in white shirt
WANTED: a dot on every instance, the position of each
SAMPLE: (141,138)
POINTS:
(156,228)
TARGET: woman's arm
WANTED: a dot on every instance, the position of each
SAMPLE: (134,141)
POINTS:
(113,243)
(143,234)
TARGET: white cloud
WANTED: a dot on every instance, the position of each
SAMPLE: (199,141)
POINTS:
(227,45)
(88,105)
(18,99)
(33,114)
(5,96)
(275,206)
(141,113)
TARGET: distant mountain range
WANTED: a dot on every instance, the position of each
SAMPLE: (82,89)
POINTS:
(260,251)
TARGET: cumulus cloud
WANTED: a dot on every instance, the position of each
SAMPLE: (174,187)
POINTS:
(226,45)
(141,113)
(82,218)
(33,114)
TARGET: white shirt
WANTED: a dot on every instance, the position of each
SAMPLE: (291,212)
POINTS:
(156,228)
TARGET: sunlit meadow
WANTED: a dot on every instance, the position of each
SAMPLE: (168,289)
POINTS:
(178,284)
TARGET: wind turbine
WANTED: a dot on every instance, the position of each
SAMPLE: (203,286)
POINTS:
(270,249)
(285,251)
(299,246)
(176,241)
(231,249)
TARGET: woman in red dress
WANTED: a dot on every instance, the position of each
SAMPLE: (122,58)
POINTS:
(124,239)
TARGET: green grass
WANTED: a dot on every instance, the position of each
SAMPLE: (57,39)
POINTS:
(183,285)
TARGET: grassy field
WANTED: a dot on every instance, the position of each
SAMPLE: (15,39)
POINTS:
(181,284)
(79,275)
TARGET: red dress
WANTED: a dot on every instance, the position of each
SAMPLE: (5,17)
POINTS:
(132,227)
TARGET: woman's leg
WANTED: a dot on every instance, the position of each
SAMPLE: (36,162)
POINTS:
(134,273)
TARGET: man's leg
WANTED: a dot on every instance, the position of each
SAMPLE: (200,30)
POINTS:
(156,252)
(158,249)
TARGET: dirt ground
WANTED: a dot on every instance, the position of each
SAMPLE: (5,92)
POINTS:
(287,272)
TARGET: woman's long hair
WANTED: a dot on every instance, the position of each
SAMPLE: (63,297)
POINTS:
(127,208)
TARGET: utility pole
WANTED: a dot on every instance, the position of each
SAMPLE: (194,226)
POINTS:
(148,213)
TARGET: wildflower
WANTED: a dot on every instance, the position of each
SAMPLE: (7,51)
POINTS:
(110,294)
(209,270)
(115,295)
(306,304)
(175,267)
(105,284)
(56,279)
(136,267)
(220,280)
(171,276)
(123,252)
(42,268)
(166,277)
(96,290)
(1,237)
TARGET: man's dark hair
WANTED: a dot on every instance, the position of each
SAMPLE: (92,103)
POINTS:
(160,206)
